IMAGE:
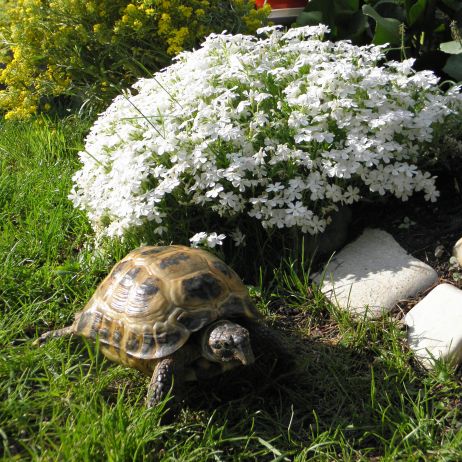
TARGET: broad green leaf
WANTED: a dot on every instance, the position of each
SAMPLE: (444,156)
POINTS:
(387,30)
(353,27)
(453,48)
(346,5)
(382,2)
(325,6)
(453,67)
(440,28)
(318,11)
(408,4)
(310,18)
(416,11)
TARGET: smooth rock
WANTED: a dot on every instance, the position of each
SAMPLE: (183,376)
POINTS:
(439,251)
(457,251)
(435,326)
(370,275)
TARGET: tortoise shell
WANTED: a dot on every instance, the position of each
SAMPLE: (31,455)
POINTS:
(154,298)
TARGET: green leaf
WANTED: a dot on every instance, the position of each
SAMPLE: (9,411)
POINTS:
(310,18)
(416,11)
(453,67)
(387,30)
(384,2)
(325,6)
(453,47)
(440,28)
(353,27)
(456,5)
(347,5)
(317,11)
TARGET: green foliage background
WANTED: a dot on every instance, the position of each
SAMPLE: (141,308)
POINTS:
(428,30)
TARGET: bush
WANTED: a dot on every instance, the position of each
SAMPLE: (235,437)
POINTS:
(427,30)
(269,135)
(78,51)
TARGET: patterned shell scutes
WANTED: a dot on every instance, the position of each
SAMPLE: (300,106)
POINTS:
(155,297)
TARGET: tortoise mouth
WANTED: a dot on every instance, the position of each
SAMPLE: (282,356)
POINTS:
(244,354)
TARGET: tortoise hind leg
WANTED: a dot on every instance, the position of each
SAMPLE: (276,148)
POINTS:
(167,371)
(54,334)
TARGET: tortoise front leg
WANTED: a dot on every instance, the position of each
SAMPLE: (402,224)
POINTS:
(165,373)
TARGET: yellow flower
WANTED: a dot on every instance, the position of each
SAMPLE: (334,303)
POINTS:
(45,55)
(186,11)
(130,9)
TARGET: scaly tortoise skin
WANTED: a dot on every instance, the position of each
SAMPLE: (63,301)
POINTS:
(166,311)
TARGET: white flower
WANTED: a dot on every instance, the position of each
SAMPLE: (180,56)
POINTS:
(238,238)
(276,187)
(316,225)
(333,192)
(297,209)
(215,239)
(265,129)
(351,195)
(198,239)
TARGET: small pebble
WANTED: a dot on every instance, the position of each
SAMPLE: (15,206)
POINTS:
(457,251)
(439,251)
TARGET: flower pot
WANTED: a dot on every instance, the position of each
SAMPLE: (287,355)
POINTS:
(279,4)
(283,12)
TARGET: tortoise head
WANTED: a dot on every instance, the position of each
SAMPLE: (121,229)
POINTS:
(226,341)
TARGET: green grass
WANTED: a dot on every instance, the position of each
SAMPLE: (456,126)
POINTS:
(354,392)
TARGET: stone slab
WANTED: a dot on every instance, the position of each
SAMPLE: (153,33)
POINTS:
(370,275)
(435,326)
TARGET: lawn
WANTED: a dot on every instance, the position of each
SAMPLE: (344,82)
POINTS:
(353,391)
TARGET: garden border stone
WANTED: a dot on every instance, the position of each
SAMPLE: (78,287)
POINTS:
(370,275)
(435,326)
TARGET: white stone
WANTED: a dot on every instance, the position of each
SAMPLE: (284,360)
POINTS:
(457,251)
(370,275)
(435,326)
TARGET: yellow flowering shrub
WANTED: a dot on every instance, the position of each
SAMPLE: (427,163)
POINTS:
(69,53)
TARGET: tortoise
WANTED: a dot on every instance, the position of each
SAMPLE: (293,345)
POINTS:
(171,312)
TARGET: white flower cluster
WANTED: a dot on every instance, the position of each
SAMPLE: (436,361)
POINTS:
(283,129)
(208,240)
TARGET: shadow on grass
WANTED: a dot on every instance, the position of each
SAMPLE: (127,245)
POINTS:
(329,387)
